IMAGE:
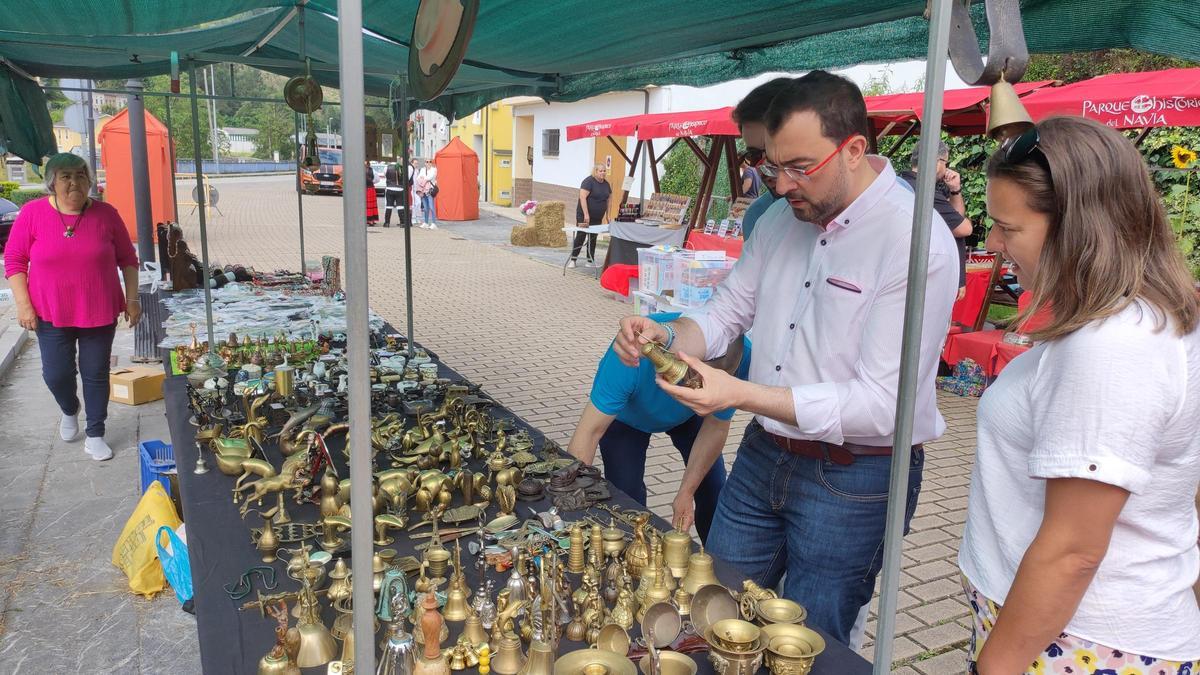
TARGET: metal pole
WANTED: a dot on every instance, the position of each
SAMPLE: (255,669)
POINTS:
(354,213)
(296,118)
(91,130)
(141,171)
(201,198)
(210,83)
(299,189)
(171,148)
(408,213)
(910,348)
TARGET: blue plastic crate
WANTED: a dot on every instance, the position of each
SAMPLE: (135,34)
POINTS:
(156,459)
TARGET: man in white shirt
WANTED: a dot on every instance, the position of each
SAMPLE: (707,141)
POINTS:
(823,286)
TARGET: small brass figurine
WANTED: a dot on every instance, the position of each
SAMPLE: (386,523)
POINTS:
(670,367)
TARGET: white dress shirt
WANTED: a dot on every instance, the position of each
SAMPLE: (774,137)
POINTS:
(827,309)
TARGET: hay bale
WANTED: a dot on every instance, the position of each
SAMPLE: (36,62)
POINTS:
(544,228)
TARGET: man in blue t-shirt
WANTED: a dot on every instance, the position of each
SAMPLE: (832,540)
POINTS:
(750,115)
(627,406)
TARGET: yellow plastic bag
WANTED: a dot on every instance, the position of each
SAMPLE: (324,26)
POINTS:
(135,552)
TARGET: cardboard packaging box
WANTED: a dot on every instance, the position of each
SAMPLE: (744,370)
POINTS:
(135,385)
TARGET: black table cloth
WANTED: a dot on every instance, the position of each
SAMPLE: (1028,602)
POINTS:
(220,549)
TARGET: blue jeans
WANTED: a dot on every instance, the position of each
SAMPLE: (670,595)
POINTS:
(624,451)
(821,522)
(428,214)
(58,348)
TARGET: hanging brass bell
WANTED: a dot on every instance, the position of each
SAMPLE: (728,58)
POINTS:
(508,659)
(700,572)
(1007,117)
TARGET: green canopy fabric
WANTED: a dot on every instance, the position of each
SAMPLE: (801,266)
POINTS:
(25,126)
(564,50)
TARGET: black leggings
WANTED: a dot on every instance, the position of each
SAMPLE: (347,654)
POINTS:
(591,241)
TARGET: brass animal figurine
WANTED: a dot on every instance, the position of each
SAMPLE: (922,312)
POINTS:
(265,486)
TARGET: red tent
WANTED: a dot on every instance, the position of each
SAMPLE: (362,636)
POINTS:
(118,169)
(1161,98)
(458,182)
(963,110)
(716,122)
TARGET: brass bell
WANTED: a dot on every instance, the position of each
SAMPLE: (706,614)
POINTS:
(700,572)
(540,660)
(317,646)
(670,367)
(508,659)
(1007,117)
(677,547)
(683,601)
(474,632)
(456,605)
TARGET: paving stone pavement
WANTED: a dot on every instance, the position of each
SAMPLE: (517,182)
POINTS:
(511,321)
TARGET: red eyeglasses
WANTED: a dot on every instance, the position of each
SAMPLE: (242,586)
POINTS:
(771,170)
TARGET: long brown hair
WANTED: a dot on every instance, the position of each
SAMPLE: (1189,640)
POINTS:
(1109,241)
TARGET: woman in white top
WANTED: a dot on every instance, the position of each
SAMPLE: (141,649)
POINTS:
(1080,552)
(425,186)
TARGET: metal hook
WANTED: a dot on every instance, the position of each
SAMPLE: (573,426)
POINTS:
(1007,55)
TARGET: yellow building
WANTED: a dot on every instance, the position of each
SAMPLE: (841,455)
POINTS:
(489,132)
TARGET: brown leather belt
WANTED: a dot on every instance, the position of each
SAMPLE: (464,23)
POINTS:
(843,454)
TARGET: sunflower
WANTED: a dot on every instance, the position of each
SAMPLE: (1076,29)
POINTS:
(1183,157)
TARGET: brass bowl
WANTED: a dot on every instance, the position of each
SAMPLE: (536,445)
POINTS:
(670,663)
(792,648)
(780,610)
(613,638)
(711,604)
(594,662)
(735,635)
(438,559)
(663,620)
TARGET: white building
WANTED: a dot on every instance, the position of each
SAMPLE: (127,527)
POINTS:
(241,140)
(547,166)
(431,132)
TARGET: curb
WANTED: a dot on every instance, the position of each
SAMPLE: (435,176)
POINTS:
(12,340)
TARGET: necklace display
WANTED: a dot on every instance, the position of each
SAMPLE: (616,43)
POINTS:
(69,230)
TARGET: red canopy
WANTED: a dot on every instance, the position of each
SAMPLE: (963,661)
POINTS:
(1160,98)
(962,109)
(717,122)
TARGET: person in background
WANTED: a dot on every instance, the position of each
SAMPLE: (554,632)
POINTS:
(626,407)
(372,198)
(61,261)
(948,202)
(1079,550)
(751,181)
(393,193)
(426,188)
(749,114)
(592,209)
(823,283)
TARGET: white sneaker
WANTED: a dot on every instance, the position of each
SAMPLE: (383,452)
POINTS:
(68,427)
(424,226)
(571,264)
(98,449)
(433,226)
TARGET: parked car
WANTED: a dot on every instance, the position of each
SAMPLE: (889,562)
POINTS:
(8,215)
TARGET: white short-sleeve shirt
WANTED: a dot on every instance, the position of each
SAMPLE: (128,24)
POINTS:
(1116,402)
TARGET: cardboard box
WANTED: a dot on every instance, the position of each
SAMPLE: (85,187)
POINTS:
(135,385)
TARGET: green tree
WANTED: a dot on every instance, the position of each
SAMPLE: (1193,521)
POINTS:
(1078,66)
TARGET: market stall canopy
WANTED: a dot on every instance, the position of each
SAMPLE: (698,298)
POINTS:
(963,111)
(717,122)
(562,51)
(1160,98)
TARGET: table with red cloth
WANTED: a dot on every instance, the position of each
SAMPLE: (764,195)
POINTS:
(967,309)
(987,348)
(698,241)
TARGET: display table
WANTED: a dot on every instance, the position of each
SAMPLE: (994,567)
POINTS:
(698,241)
(220,549)
(627,238)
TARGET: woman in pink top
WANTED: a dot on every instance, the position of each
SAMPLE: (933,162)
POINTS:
(61,260)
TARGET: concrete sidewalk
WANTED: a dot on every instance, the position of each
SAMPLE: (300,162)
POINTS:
(64,608)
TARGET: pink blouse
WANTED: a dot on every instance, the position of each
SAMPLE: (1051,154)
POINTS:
(73,281)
